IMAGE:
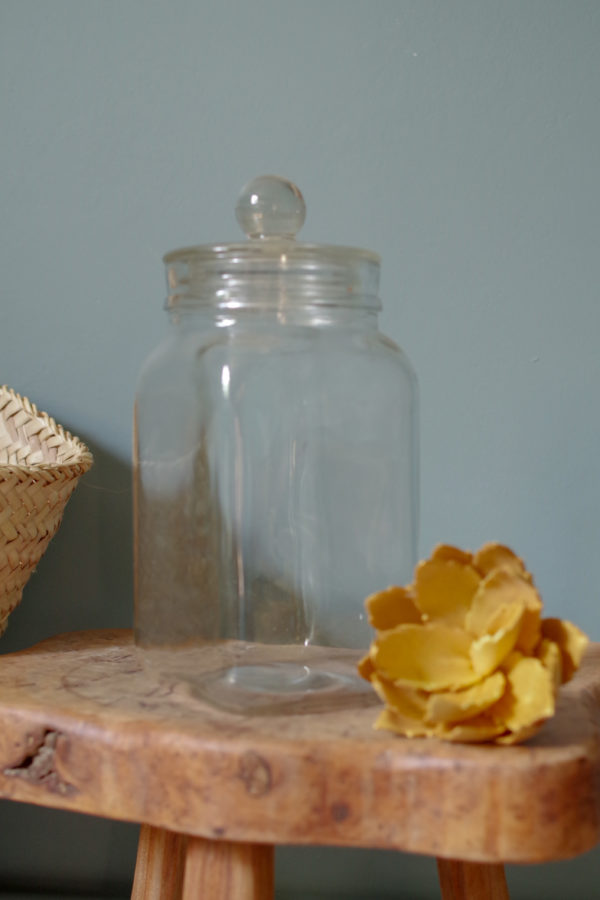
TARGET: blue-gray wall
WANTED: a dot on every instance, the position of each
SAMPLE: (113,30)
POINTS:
(459,139)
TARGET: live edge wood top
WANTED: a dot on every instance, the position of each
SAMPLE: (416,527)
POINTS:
(84,728)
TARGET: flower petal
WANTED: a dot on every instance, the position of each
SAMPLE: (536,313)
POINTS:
(476,731)
(517,737)
(531,626)
(403,700)
(392,607)
(451,707)
(497,591)
(389,720)
(444,589)
(529,697)
(497,556)
(365,668)
(551,658)
(490,650)
(450,553)
(571,641)
(432,657)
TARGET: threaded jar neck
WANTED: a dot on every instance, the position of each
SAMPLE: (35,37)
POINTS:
(272,274)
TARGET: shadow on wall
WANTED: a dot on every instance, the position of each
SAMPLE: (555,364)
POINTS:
(84,580)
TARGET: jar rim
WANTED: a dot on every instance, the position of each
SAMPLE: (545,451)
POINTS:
(275,250)
(270,273)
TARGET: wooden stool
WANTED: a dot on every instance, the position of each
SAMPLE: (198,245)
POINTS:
(83,728)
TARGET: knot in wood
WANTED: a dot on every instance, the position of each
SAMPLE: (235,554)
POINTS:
(255,772)
(339,812)
(38,765)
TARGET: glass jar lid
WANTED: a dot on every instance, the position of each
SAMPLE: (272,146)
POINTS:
(271,268)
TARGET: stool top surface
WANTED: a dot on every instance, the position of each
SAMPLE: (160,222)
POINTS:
(84,727)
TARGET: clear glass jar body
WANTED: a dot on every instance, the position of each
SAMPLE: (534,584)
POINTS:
(275,471)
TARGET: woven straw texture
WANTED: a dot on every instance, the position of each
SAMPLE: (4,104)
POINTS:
(40,464)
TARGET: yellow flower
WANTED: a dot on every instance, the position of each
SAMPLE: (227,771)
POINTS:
(463,653)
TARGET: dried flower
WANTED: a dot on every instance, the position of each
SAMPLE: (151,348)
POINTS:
(463,654)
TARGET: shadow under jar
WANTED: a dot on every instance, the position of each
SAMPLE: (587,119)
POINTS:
(275,466)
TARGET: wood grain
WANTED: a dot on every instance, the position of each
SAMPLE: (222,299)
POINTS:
(160,865)
(84,727)
(222,870)
(471,881)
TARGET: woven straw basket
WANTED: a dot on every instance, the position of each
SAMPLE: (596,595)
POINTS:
(40,464)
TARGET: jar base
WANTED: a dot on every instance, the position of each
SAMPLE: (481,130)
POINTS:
(251,679)
(275,688)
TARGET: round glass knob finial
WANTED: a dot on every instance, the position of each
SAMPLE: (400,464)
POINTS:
(270,207)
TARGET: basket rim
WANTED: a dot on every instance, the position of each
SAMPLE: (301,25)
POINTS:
(78,466)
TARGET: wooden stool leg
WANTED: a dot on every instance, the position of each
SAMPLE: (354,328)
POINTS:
(471,881)
(159,865)
(221,870)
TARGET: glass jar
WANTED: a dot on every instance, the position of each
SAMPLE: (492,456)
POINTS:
(275,464)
